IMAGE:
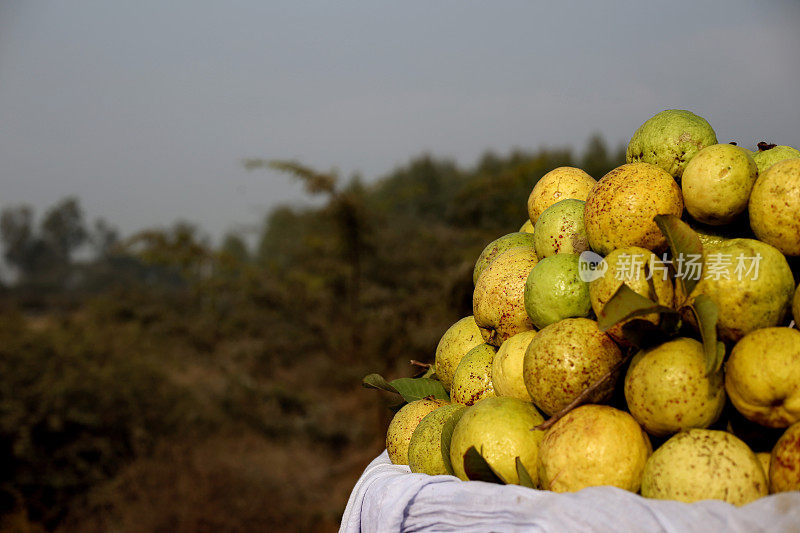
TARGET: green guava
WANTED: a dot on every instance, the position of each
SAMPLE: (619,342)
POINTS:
(501,429)
(459,339)
(669,140)
(565,358)
(498,246)
(717,182)
(667,389)
(472,380)
(769,156)
(425,448)
(775,206)
(497,302)
(560,229)
(559,184)
(554,290)
(704,464)
(507,366)
(402,427)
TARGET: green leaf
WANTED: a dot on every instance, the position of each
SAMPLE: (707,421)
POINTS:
(625,304)
(376,381)
(477,469)
(524,477)
(412,389)
(706,314)
(683,242)
(447,437)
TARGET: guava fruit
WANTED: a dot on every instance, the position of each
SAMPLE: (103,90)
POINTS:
(501,429)
(769,156)
(498,246)
(459,339)
(717,182)
(497,302)
(590,446)
(704,464)
(764,458)
(751,283)
(669,140)
(425,447)
(554,290)
(631,266)
(775,206)
(709,237)
(472,380)
(762,376)
(796,307)
(402,426)
(565,358)
(620,209)
(560,229)
(784,469)
(527,227)
(667,389)
(559,184)
(507,366)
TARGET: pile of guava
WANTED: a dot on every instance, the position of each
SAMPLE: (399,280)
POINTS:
(639,331)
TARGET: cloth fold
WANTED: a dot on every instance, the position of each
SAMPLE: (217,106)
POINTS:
(389,497)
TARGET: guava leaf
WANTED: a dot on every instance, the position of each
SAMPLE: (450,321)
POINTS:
(524,477)
(625,304)
(684,244)
(447,437)
(412,389)
(706,314)
(477,469)
(376,381)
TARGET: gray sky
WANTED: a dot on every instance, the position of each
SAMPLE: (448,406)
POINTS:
(145,109)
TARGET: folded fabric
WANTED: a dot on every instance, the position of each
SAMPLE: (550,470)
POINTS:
(389,497)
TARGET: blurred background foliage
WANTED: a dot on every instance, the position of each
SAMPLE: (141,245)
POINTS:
(161,383)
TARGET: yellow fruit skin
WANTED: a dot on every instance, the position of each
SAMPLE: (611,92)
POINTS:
(402,426)
(752,302)
(590,446)
(775,206)
(784,465)
(717,182)
(472,380)
(507,367)
(764,459)
(501,429)
(527,227)
(566,357)
(796,307)
(498,301)
(703,464)
(558,184)
(425,447)
(459,339)
(620,209)
(629,264)
(667,389)
(762,376)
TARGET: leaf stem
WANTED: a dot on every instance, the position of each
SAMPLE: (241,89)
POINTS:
(586,393)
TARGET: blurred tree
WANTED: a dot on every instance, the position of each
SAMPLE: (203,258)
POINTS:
(234,246)
(16,229)
(345,207)
(103,238)
(63,228)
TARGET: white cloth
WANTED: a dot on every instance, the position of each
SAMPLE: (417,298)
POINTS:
(389,497)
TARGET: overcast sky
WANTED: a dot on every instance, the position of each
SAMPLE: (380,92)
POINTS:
(145,109)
